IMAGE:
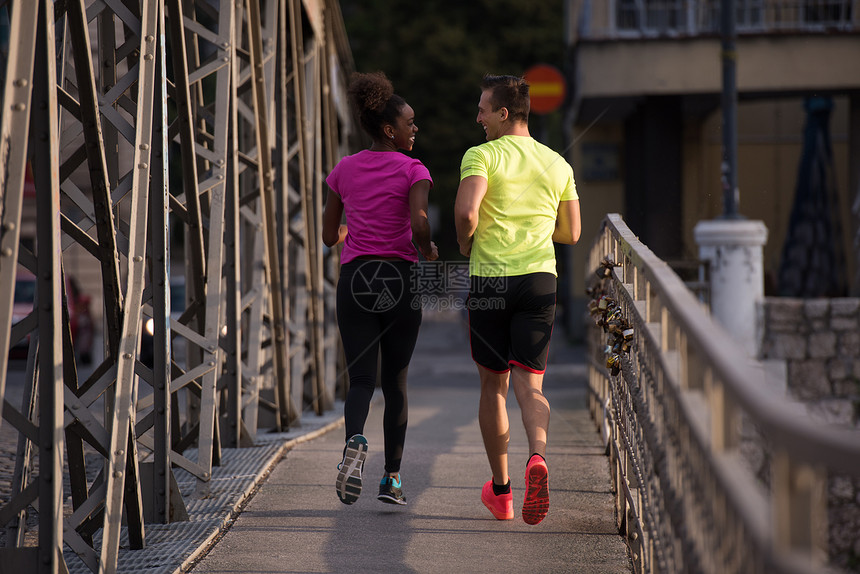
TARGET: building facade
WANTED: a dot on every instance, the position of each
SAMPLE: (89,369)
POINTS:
(645,116)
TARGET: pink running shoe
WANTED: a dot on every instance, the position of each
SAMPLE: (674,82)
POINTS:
(536,502)
(502,505)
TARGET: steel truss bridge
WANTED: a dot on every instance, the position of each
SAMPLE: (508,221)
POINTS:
(126,124)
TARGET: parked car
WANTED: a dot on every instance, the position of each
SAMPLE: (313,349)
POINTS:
(80,318)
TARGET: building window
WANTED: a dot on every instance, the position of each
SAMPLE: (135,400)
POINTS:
(651,16)
(694,17)
(827,12)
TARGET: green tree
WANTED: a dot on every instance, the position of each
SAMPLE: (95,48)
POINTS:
(435,53)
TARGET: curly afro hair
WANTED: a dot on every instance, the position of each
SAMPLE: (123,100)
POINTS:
(375,102)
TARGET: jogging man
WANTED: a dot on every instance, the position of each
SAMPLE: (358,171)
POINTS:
(516,197)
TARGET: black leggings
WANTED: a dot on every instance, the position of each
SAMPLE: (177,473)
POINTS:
(378,324)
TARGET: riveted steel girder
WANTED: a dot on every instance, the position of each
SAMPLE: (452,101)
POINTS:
(174,145)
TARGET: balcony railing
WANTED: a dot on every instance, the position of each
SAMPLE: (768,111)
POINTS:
(615,19)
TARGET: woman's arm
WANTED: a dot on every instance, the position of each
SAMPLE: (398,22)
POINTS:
(333,232)
(418,200)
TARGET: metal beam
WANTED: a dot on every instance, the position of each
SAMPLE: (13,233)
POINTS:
(14,127)
(48,303)
(267,194)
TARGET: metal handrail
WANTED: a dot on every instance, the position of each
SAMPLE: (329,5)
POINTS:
(837,448)
(683,363)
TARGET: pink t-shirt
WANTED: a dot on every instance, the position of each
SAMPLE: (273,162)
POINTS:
(374,188)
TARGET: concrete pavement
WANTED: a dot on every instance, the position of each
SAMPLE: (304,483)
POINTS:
(295,522)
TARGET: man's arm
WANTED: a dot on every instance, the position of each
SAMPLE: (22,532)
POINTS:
(469,196)
(568,225)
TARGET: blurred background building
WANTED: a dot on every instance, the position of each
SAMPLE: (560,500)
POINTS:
(645,115)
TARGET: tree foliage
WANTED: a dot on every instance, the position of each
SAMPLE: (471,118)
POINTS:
(435,52)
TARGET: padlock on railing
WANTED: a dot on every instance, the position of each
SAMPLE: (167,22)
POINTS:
(608,314)
(613,315)
(613,363)
(627,339)
(605,269)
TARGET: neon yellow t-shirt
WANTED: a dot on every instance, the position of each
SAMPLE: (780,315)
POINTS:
(526,180)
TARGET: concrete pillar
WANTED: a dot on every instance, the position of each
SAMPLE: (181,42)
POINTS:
(733,247)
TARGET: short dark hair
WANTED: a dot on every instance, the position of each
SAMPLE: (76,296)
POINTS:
(511,92)
(375,102)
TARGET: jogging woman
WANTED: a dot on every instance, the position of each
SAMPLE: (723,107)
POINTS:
(384,195)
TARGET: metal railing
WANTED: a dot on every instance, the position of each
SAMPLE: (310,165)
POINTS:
(615,19)
(143,121)
(677,399)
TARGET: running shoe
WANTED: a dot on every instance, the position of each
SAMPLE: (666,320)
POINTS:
(536,501)
(390,491)
(349,478)
(501,505)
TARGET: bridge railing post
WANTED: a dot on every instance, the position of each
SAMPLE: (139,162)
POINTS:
(799,494)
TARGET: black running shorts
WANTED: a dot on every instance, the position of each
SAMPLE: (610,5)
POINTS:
(510,321)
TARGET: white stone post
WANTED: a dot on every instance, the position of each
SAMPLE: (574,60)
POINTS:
(733,247)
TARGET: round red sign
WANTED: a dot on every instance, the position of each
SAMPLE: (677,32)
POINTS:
(547,88)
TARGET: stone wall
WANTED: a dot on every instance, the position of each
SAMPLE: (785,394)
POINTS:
(819,340)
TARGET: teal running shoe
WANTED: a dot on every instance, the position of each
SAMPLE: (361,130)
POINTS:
(391,492)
